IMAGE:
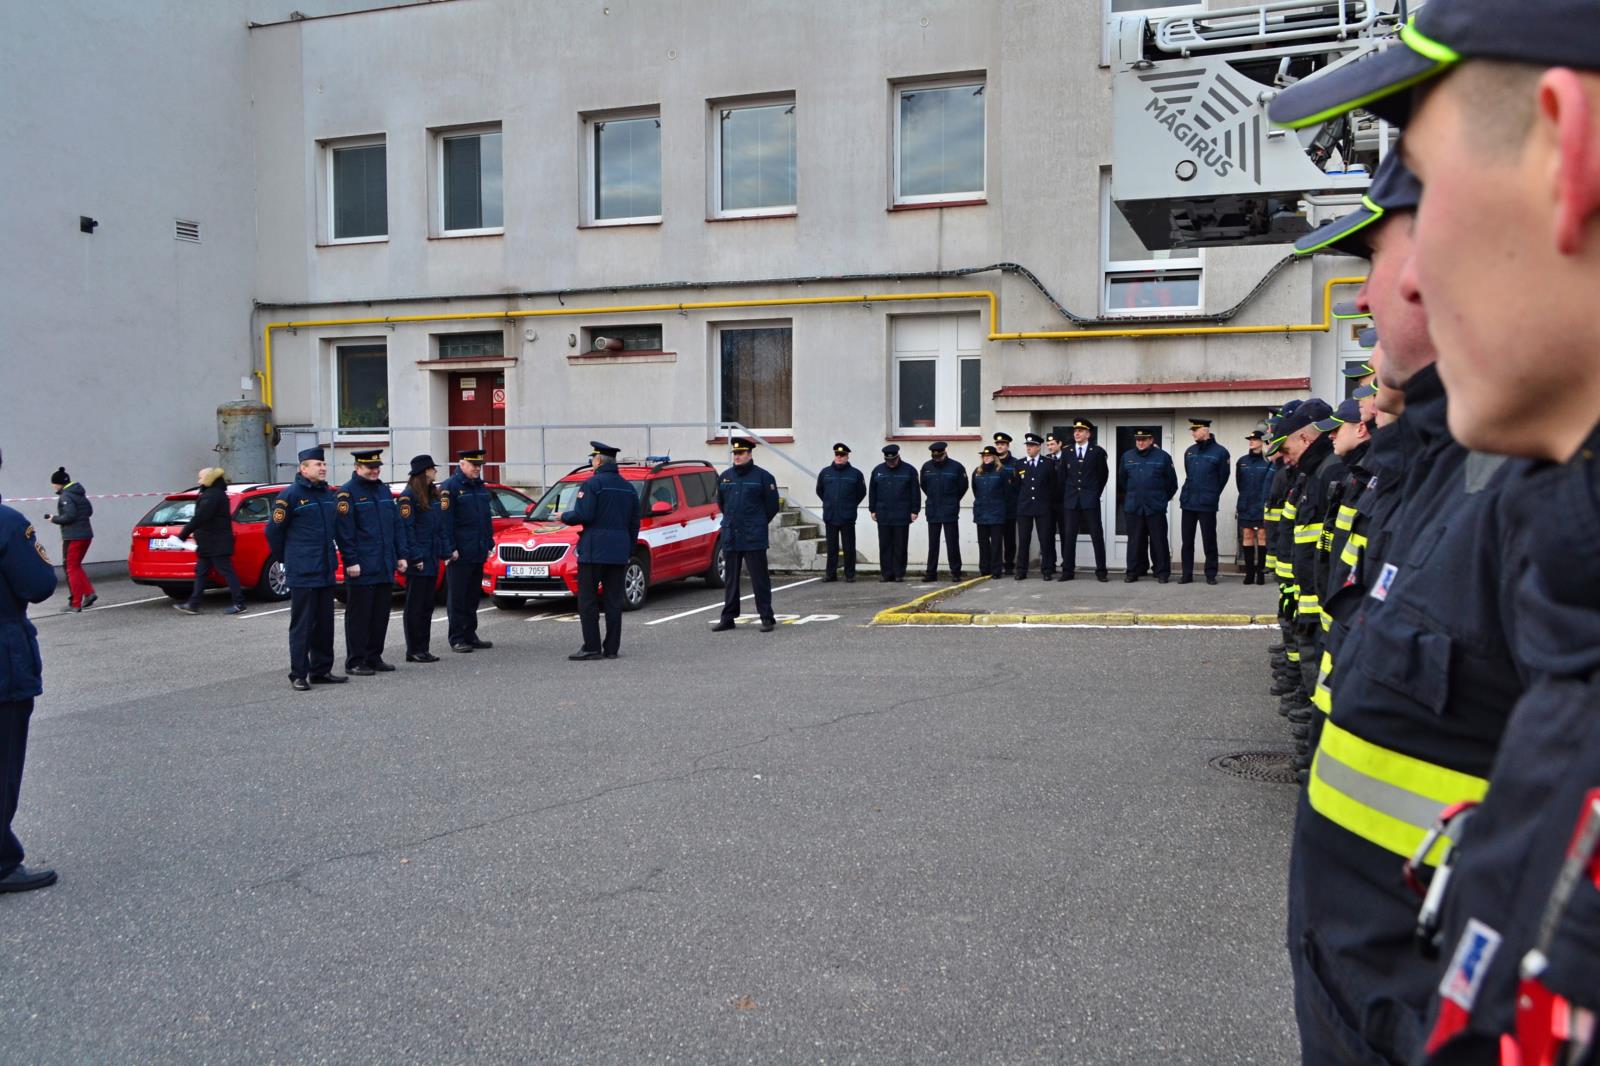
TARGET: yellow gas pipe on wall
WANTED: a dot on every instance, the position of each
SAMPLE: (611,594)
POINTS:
(266,377)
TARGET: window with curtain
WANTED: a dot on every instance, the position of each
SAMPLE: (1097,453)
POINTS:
(757,375)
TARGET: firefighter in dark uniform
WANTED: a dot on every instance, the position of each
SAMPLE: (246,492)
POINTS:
(1351,442)
(748,498)
(469,525)
(1252,475)
(303,533)
(423,519)
(1205,475)
(1085,470)
(26,576)
(607,507)
(1285,655)
(1002,445)
(1036,491)
(1149,483)
(944,485)
(841,488)
(373,539)
(893,500)
(989,481)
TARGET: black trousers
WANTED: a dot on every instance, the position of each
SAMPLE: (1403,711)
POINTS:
(14,717)
(602,583)
(1087,520)
(419,610)
(1207,521)
(366,622)
(1027,526)
(991,549)
(841,538)
(952,548)
(463,582)
(1147,540)
(223,564)
(310,631)
(760,584)
(893,542)
(1008,538)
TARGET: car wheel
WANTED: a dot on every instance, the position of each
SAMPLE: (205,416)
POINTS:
(274,582)
(635,585)
(508,603)
(177,592)
(717,576)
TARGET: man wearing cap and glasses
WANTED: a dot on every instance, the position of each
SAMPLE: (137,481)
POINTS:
(303,532)
(748,498)
(1085,470)
(1205,475)
(944,483)
(469,528)
(841,488)
(608,509)
(370,534)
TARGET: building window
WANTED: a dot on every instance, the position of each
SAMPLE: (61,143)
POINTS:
(625,169)
(636,338)
(361,386)
(358,191)
(753,159)
(756,375)
(1139,280)
(471,182)
(937,373)
(939,142)
(491,345)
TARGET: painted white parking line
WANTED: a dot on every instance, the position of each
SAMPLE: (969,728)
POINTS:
(446,616)
(262,614)
(715,606)
(127,603)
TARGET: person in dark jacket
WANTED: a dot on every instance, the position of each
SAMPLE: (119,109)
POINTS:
(1205,474)
(841,488)
(607,507)
(469,531)
(372,540)
(211,528)
(748,498)
(26,576)
(1002,445)
(989,510)
(302,533)
(72,515)
(893,500)
(1149,483)
(1252,475)
(423,518)
(944,483)
(1085,469)
(1035,478)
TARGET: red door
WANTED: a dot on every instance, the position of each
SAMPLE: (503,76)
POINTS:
(478,398)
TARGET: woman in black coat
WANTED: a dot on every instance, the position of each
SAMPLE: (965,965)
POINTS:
(212,530)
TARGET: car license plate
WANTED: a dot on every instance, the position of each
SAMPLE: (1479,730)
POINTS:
(527,571)
(170,544)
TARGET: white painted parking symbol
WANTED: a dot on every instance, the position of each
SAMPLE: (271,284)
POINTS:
(781,619)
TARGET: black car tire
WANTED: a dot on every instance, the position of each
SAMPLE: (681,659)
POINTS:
(273,585)
(717,575)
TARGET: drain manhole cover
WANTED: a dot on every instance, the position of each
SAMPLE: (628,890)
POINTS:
(1272,767)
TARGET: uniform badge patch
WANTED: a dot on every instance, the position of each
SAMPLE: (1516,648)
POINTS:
(1474,952)
(344,505)
(1372,484)
(280,511)
(405,507)
(444,501)
(1380,588)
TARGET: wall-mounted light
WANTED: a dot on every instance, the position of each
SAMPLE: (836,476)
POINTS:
(87,224)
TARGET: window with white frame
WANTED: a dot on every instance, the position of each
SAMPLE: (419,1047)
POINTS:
(361,386)
(755,374)
(624,168)
(357,184)
(753,158)
(471,182)
(935,373)
(1140,280)
(939,144)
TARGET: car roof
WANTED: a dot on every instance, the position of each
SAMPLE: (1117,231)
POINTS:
(639,469)
(233,490)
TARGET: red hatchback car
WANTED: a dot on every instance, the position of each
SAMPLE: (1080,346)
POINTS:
(678,533)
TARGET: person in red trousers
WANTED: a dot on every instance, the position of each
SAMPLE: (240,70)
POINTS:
(72,515)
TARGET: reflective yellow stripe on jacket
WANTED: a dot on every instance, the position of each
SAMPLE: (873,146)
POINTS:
(1382,796)
(1322,697)
(1353,548)
(1346,518)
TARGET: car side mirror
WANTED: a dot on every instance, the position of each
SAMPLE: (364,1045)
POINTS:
(660,507)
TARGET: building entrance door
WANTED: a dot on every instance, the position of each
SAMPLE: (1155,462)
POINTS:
(1120,441)
(478,398)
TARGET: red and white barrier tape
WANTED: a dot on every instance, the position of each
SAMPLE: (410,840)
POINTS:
(103,496)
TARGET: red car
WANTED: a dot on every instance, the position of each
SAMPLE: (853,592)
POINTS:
(678,533)
(506,508)
(157,557)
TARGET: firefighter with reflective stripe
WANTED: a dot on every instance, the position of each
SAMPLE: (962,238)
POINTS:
(469,525)
(1307,445)
(1285,655)
(1352,442)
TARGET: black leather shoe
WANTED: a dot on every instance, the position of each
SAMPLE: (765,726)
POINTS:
(328,679)
(1211,581)
(1128,579)
(1021,576)
(299,684)
(461,647)
(769,625)
(1102,577)
(1068,577)
(958,576)
(885,578)
(722,626)
(830,577)
(608,655)
(849,579)
(22,879)
(481,645)
(360,670)
(1048,577)
(381,666)
(422,657)
(583,656)
(1185,580)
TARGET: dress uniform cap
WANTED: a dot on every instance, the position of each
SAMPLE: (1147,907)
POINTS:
(1199,423)
(1032,438)
(891,449)
(419,463)
(307,454)
(741,444)
(471,455)
(597,448)
(1002,438)
(1145,433)
(374,457)
(1083,423)
(989,449)
(841,449)
(939,446)
(1255,435)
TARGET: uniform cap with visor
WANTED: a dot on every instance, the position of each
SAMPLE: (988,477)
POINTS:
(1348,411)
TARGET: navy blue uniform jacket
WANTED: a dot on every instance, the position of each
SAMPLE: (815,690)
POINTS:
(468,522)
(302,533)
(893,496)
(607,507)
(425,538)
(841,490)
(1149,481)
(748,498)
(1083,482)
(944,484)
(1253,476)
(370,532)
(989,495)
(26,576)
(1205,473)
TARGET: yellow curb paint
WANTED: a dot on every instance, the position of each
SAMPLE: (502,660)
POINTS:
(907,611)
(997,619)
(1196,619)
(1082,618)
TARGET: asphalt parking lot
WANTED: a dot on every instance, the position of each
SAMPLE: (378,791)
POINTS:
(832,843)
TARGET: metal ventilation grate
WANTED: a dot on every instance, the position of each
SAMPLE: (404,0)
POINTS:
(184,230)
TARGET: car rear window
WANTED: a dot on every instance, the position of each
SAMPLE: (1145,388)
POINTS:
(695,490)
(169,513)
(254,509)
(708,478)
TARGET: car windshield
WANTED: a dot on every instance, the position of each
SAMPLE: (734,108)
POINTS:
(560,497)
(169,513)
